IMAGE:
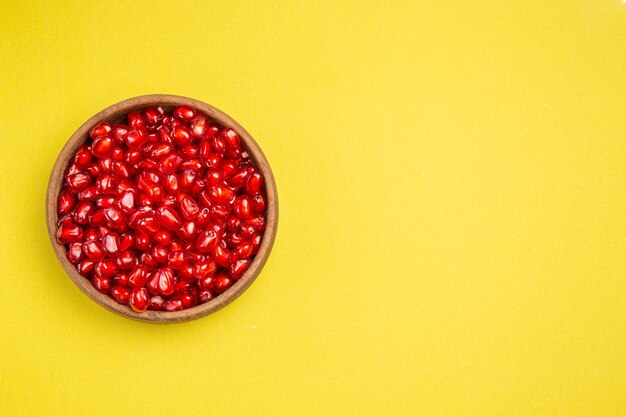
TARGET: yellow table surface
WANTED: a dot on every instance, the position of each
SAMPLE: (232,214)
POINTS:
(452,182)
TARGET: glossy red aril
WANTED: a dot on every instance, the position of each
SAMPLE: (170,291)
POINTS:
(243,207)
(165,281)
(138,277)
(67,233)
(106,268)
(120,294)
(189,208)
(78,181)
(163,212)
(111,243)
(126,259)
(254,183)
(66,202)
(221,283)
(199,126)
(115,218)
(181,135)
(207,240)
(156,303)
(82,159)
(204,268)
(100,129)
(139,299)
(75,252)
(94,250)
(222,194)
(101,284)
(184,113)
(85,267)
(168,218)
(238,268)
(102,146)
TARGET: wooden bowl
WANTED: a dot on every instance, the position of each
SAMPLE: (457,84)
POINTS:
(115,114)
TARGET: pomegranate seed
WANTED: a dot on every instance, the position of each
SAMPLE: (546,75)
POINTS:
(199,126)
(139,299)
(101,284)
(82,159)
(204,268)
(67,233)
(184,113)
(102,146)
(120,294)
(126,259)
(157,303)
(243,207)
(221,283)
(115,218)
(106,268)
(105,201)
(205,296)
(181,135)
(254,183)
(138,277)
(119,133)
(222,256)
(165,278)
(85,268)
(75,252)
(168,218)
(238,268)
(207,240)
(94,250)
(78,182)
(101,129)
(162,237)
(111,243)
(65,202)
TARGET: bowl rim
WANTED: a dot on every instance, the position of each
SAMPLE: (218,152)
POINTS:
(113,112)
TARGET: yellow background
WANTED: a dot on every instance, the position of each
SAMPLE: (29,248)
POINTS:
(453,205)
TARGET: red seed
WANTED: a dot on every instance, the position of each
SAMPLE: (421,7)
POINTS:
(67,233)
(243,207)
(120,294)
(238,268)
(181,135)
(204,268)
(106,268)
(111,243)
(65,202)
(115,218)
(78,182)
(139,299)
(102,284)
(102,146)
(86,267)
(75,252)
(101,129)
(184,113)
(254,183)
(93,250)
(207,240)
(221,283)
(126,259)
(168,217)
(138,276)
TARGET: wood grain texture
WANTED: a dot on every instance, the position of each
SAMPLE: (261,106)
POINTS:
(116,113)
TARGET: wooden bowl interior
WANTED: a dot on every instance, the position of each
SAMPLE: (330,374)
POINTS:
(116,114)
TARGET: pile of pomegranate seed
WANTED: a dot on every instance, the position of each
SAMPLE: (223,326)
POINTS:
(164,212)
